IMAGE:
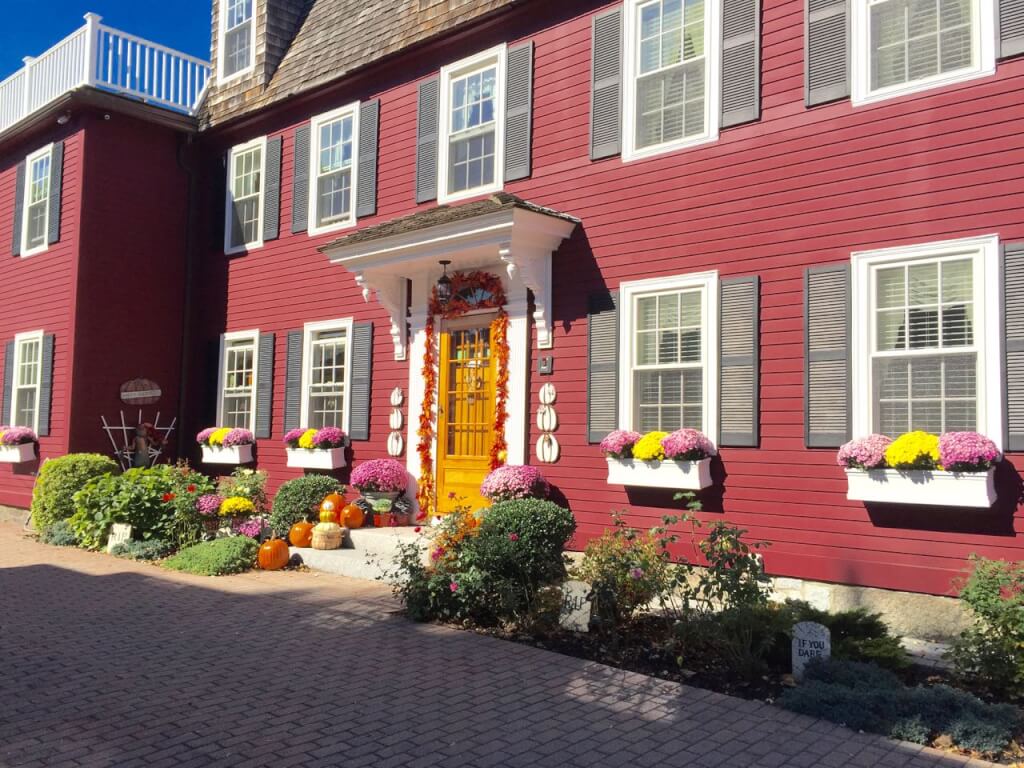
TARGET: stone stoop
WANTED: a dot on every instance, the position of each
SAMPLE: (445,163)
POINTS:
(365,553)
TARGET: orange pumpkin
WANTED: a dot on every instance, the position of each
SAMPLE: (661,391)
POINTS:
(354,516)
(330,508)
(301,534)
(273,555)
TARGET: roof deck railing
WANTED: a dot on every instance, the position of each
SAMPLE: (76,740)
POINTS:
(102,57)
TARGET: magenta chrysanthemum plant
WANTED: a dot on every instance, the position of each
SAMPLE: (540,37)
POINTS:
(514,481)
(329,437)
(864,452)
(239,437)
(251,527)
(379,476)
(967,452)
(291,437)
(619,444)
(17,436)
(203,438)
(687,445)
(208,505)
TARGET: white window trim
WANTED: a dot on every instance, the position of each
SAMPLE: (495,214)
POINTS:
(713,80)
(499,54)
(987,326)
(40,153)
(983,60)
(314,159)
(707,282)
(253,337)
(222,33)
(342,324)
(19,339)
(261,142)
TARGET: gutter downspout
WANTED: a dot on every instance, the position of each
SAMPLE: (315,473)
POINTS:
(187,299)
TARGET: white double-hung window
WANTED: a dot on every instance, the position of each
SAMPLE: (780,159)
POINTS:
(903,46)
(27,380)
(237,38)
(238,362)
(671,75)
(325,374)
(668,331)
(333,169)
(471,150)
(36,204)
(926,339)
(243,226)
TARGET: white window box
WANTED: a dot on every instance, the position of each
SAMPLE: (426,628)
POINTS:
(682,475)
(227,454)
(17,454)
(922,486)
(316,458)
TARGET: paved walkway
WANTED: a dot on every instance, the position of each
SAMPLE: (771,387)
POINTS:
(113,663)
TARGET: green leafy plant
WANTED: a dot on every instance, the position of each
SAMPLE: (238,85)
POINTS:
(59,479)
(219,557)
(299,499)
(154,549)
(250,484)
(60,534)
(186,525)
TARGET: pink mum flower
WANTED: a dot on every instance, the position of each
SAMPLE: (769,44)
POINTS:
(454,586)
(17,436)
(687,445)
(379,476)
(203,438)
(329,437)
(967,452)
(239,437)
(291,437)
(864,452)
(513,481)
(619,444)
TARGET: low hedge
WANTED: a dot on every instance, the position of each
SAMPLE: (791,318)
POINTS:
(59,479)
(219,557)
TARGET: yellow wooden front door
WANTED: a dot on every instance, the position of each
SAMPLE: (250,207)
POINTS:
(465,428)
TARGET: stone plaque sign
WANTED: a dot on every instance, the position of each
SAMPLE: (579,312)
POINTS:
(119,534)
(140,392)
(575,613)
(810,641)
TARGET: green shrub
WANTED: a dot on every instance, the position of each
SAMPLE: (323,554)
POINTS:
(866,697)
(299,499)
(59,534)
(186,526)
(216,558)
(139,497)
(59,479)
(153,549)
(523,540)
(990,653)
(856,634)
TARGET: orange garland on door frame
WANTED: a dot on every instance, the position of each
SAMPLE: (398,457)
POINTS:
(470,290)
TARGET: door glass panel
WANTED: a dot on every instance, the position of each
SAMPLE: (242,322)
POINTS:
(469,401)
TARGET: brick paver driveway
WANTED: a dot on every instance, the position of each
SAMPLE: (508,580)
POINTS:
(112,663)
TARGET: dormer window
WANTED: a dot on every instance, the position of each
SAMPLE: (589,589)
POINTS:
(237,38)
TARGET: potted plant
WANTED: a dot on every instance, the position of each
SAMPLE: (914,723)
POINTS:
(380,480)
(226,445)
(316,448)
(513,481)
(680,459)
(956,469)
(17,445)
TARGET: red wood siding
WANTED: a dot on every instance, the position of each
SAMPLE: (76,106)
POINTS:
(797,188)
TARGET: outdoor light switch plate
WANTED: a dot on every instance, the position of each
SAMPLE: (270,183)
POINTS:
(546,365)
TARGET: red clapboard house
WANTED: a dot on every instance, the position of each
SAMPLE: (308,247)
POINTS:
(785,224)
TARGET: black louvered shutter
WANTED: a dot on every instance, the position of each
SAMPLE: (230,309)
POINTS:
(366,184)
(272,190)
(826,50)
(362,370)
(741,61)
(739,361)
(46,385)
(1013,343)
(1011,28)
(300,180)
(606,85)
(265,386)
(427,116)
(5,415)
(518,112)
(602,365)
(293,382)
(56,184)
(827,356)
(19,209)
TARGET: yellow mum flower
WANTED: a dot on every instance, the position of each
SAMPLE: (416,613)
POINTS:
(914,450)
(236,506)
(306,441)
(217,438)
(648,447)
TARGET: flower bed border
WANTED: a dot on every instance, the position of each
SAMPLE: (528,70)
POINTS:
(227,454)
(681,475)
(316,458)
(922,487)
(17,454)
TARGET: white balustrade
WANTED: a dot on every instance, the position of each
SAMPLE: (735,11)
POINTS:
(102,57)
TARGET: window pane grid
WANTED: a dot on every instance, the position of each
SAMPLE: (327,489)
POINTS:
(26,384)
(239,357)
(334,171)
(37,212)
(245,194)
(237,38)
(471,144)
(916,39)
(327,379)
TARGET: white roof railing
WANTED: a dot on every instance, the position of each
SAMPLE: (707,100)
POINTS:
(99,56)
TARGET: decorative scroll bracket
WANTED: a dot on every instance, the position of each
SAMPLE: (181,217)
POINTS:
(393,294)
(532,266)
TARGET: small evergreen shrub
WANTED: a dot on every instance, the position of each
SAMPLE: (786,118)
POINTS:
(856,635)
(299,500)
(219,557)
(153,549)
(59,535)
(59,479)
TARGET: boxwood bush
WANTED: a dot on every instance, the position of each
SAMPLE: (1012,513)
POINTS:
(59,479)
(299,499)
(219,557)
(59,534)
